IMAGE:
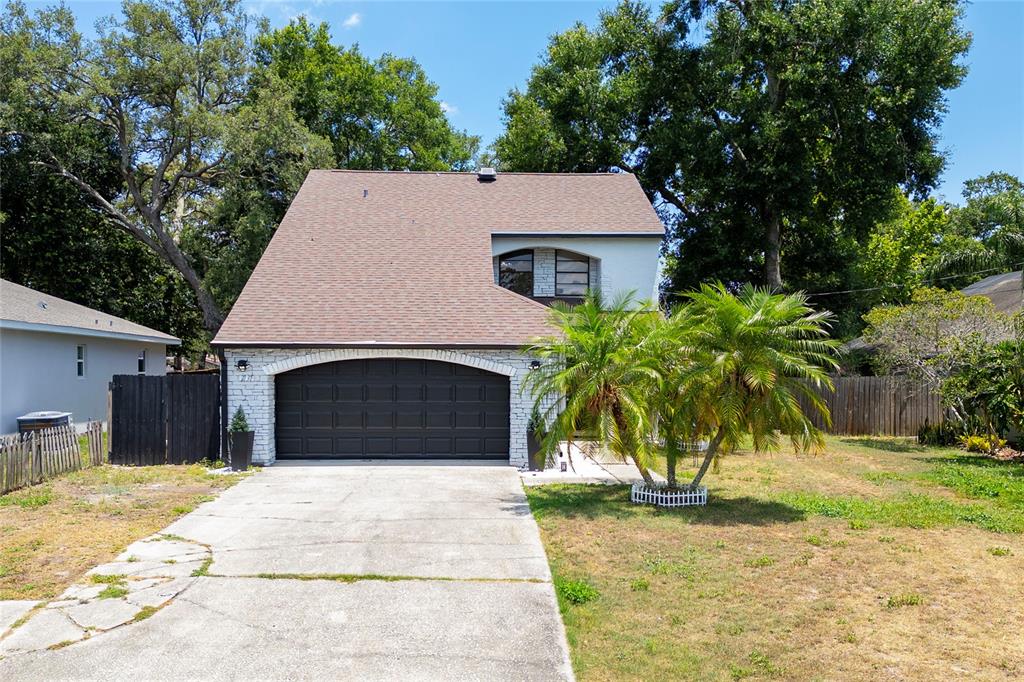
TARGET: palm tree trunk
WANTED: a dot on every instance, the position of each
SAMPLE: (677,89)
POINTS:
(620,424)
(712,450)
(671,460)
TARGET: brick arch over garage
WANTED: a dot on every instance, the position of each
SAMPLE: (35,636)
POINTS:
(338,354)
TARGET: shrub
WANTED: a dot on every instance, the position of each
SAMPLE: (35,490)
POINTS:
(238,422)
(576,591)
(981,443)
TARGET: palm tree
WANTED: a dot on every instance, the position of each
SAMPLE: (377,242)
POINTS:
(740,364)
(600,364)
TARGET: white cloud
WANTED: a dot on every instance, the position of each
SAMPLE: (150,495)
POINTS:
(449,108)
(353,20)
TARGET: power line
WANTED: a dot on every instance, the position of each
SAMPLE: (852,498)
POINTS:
(900,286)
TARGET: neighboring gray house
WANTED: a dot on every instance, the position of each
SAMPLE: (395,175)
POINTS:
(1004,290)
(387,315)
(58,355)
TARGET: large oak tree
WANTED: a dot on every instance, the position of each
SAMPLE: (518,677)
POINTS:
(767,131)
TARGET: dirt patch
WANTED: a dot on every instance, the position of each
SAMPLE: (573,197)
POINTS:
(54,532)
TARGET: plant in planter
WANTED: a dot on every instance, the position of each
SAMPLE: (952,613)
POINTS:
(535,440)
(240,442)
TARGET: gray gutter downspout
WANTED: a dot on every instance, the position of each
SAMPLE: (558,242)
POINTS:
(223,406)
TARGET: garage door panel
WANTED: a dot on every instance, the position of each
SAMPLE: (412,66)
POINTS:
(348,420)
(318,419)
(319,393)
(392,408)
(348,393)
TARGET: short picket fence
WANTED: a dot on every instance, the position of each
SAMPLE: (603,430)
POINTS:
(642,493)
(30,458)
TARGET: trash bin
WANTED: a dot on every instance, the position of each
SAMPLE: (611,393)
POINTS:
(34,421)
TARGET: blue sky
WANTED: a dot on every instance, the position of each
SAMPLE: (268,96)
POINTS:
(476,51)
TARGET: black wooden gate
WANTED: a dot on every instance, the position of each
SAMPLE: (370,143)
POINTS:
(172,419)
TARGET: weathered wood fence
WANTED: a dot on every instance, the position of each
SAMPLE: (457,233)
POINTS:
(878,406)
(173,419)
(30,458)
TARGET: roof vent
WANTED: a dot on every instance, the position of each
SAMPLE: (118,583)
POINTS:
(42,305)
(486,175)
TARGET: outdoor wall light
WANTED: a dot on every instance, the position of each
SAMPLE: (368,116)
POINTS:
(242,365)
(535,364)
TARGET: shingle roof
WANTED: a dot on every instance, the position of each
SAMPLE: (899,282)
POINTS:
(1003,290)
(405,258)
(21,307)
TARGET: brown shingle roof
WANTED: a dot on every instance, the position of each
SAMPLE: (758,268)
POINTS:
(405,258)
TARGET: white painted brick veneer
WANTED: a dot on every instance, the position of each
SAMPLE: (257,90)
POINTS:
(253,389)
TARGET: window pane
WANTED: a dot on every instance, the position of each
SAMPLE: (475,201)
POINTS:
(573,278)
(572,266)
(566,256)
(571,290)
(515,272)
(142,362)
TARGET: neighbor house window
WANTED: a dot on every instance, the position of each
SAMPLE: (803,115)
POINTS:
(80,360)
(572,274)
(142,362)
(515,272)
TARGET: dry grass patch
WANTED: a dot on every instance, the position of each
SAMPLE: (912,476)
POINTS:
(894,581)
(54,532)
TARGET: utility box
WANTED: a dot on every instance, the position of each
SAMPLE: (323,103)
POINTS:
(35,421)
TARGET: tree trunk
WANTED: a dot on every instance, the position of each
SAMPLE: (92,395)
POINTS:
(772,251)
(173,255)
(671,460)
(712,451)
(620,424)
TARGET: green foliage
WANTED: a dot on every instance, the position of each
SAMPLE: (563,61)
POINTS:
(989,385)
(576,592)
(934,334)
(1000,551)
(981,443)
(990,227)
(740,120)
(239,424)
(378,115)
(600,361)
(735,367)
(640,585)
(905,599)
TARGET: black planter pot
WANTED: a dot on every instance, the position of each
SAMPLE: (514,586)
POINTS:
(241,450)
(536,459)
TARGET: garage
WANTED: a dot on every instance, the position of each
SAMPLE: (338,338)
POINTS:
(391,408)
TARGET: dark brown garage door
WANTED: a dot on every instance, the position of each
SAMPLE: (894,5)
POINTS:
(392,408)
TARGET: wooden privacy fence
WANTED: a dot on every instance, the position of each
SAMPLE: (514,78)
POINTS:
(173,419)
(878,406)
(30,458)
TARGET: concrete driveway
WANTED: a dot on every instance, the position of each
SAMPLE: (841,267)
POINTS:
(322,571)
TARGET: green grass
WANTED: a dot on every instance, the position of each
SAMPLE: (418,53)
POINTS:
(113,592)
(576,592)
(981,478)
(897,601)
(28,498)
(909,510)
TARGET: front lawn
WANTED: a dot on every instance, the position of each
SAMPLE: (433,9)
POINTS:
(53,532)
(877,560)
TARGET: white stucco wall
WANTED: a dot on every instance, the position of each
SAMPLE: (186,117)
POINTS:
(253,389)
(623,263)
(38,372)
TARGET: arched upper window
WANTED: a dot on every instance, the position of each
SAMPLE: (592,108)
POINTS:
(515,271)
(572,274)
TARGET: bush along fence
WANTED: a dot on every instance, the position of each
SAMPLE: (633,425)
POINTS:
(878,406)
(30,458)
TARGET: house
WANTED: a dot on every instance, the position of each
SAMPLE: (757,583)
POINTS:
(60,356)
(1004,290)
(387,315)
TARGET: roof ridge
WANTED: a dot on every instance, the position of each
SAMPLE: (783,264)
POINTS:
(468,173)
